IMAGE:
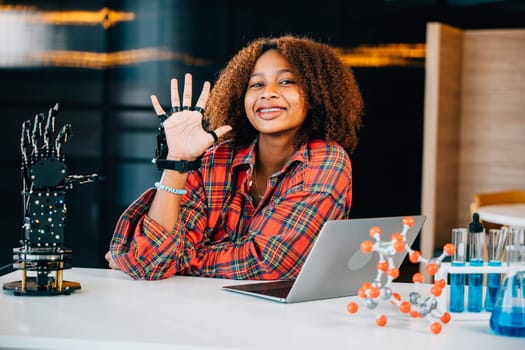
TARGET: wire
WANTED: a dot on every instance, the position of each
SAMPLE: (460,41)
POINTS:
(5,267)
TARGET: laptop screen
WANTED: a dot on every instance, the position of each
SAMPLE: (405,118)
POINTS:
(336,266)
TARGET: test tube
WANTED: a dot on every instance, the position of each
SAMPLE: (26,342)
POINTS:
(457,280)
(516,236)
(496,246)
(516,252)
(475,280)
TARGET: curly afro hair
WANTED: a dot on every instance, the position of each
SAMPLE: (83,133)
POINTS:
(333,96)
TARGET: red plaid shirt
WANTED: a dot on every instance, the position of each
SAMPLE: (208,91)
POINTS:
(221,234)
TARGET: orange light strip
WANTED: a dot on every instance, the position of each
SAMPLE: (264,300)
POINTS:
(7,8)
(95,60)
(105,17)
(384,55)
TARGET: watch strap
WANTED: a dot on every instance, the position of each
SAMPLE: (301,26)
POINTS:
(182,166)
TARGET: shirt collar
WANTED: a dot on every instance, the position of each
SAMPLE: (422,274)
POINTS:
(245,157)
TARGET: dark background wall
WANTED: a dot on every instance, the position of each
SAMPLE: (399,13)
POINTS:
(113,123)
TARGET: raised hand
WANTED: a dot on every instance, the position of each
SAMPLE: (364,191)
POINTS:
(185,136)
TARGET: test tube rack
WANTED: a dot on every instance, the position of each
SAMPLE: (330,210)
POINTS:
(447,269)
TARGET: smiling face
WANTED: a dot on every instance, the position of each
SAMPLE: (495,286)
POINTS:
(274,99)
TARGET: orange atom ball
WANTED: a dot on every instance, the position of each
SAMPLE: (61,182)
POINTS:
(381,320)
(409,221)
(366,285)
(399,246)
(436,291)
(352,307)
(375,230)
(414,257)
(432,268)
(374,292)
(382,265)
(396,296)
(393,272)
(366,246)
(396,236)
(415,314)
(405,307)
(449,248)
(440,283)
(445,318)
(417,278)
(435,328)
(361,292)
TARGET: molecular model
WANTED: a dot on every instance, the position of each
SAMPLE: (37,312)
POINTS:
(380,290)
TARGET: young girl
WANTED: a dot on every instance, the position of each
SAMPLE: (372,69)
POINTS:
(287,112)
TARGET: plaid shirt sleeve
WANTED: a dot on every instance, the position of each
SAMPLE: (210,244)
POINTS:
(144,249)
(273,246)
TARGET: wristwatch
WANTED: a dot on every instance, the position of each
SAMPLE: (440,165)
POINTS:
(182,166)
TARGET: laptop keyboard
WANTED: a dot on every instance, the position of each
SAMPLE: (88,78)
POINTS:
(278,289)
(275,292)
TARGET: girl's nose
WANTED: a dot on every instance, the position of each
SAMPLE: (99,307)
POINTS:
(270,91)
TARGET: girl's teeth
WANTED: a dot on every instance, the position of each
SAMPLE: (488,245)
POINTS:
(266,110)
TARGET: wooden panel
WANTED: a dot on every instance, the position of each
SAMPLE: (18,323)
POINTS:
(441,135)
(492,114)
(474,132)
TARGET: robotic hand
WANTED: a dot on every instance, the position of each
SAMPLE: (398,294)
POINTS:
(45,181)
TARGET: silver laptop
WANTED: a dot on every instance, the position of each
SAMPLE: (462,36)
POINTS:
(335,267)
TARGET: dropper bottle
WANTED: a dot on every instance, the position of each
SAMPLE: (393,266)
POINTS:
(475,280)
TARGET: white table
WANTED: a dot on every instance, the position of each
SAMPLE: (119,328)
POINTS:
(504,214)
(112,311)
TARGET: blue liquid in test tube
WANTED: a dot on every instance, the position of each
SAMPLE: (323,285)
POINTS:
(496,246)
(457,280)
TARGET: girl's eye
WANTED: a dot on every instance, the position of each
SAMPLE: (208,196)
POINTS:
(287,81)
(255,85)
